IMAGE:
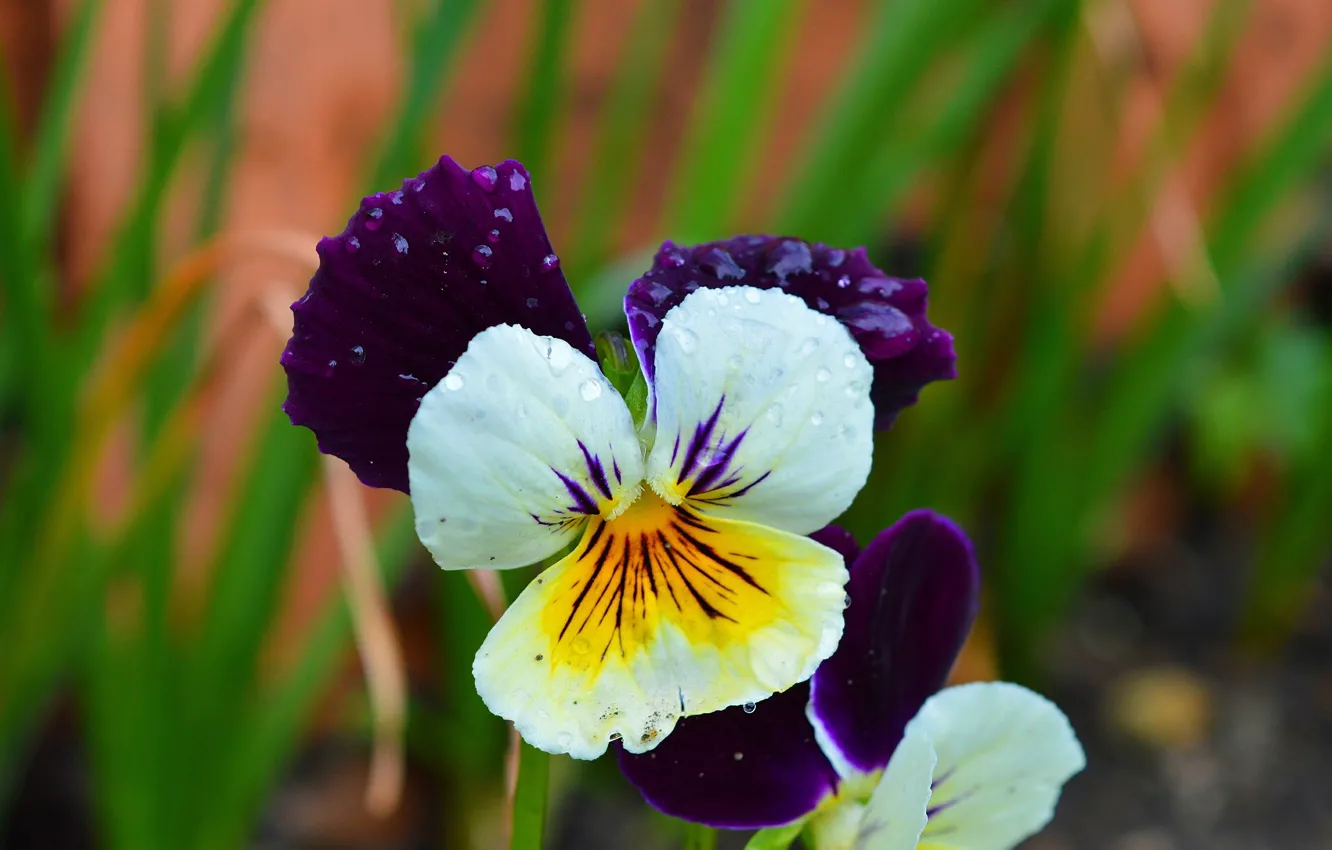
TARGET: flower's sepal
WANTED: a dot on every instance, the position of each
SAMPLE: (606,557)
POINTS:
(776,837)
(399,295)
(914,593)
(885,315)
(619,362)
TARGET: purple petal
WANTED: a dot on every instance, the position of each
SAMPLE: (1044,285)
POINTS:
(400,293)
(838,538)
(914,593)
(737,770)
(886,315)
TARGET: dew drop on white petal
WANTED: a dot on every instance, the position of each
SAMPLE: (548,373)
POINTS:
(560,405)
(750,708)
(855,388)
(590,389)
(686,339)
(774,414)
(559,357)
(807,347)
(823,375)
(564,740)
(752,296)
(846,601)
(849,361)
(453,382)
(722,300)
(816,418)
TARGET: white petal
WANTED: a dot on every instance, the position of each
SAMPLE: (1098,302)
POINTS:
(490,443)
(1004,755)
(762,409)
(896,815)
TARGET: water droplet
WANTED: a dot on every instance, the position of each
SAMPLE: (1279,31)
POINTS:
(485,177)
(353,244)
(375,214)
(520,412)
(615,736)
(739,756)
(590,389)
(550,263)
(481,256)
(846,601)
(750,708)
(849,361)
(722,265)
(532,303)
(503,212)
(792,258)
(418,185)
(580,646)
(752,295)
(396,197)
(517,181)
(816,418)
(835,257)
(822,303)
(807,347)
(399,243)
(358,354)
(493,237)
(657,292)
(453,381)
(843,282)
(722,300)
(855,388)
(564,740)
(774,414)
(686,339)
(823,376)
(735,361)
(408,376)
(559,357)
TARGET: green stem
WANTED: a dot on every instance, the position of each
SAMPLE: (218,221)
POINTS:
(529,798)
(699,837)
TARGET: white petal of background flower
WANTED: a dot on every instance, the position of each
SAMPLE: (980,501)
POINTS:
(895,815)
(485,440)
(1004,755)
(790,379)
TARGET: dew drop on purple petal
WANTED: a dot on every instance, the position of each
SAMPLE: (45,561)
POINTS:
(550,263)
(720,263)
(353,244)
(481,256)
(517,182)
(750,708)
(485,177)
(396,197)
(836,257)
(658,292)
(532,303)
(493,237)
(400,243)
(843,282)
(503,212)
(375,214)
(358,354)
(673,259)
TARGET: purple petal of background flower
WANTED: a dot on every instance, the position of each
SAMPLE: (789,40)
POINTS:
(914,594)
(737,770)
(886,315)
(399,295)
(839,539)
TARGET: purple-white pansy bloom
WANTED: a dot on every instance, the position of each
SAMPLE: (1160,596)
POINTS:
(886,315)
(440,352)
(871,754)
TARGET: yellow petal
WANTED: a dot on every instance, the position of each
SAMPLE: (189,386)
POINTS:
(659,613)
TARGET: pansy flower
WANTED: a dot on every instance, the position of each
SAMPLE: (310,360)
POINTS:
(439,351)
(870,754)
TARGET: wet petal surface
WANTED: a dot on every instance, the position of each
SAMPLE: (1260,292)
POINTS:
(738,769)
(516,449)
(762,410)
(913,593)
(659,612)
(886,315)
(401,292)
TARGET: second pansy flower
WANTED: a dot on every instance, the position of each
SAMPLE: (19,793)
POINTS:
(439,351)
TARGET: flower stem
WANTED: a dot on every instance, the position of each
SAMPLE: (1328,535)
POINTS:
(699,837)
(529,799)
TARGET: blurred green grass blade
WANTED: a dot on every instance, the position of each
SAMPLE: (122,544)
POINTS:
(437,37)
(901,42)
(1283,161)
(529,799)
(721,149)
(535,125)
(41,189)
(621,136)
(275,718)
(1298,543)
(476,740)
(990,57)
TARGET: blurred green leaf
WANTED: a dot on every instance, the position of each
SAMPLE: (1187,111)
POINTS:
(720,152)
(537,114)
